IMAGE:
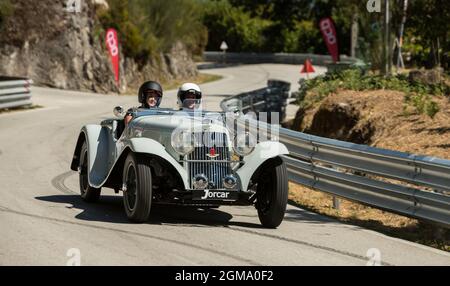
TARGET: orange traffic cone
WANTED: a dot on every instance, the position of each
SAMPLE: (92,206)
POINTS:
(307,67)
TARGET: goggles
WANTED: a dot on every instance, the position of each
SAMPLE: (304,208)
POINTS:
(152,92)
(191,93)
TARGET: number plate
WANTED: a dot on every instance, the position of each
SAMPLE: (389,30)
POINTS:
(215,195)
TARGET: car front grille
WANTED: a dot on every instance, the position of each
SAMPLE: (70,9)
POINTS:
(215,169)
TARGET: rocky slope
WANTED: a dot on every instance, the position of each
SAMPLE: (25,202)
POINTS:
(378,118)
(44,42)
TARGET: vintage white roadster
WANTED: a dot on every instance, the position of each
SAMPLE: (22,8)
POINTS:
(166,156)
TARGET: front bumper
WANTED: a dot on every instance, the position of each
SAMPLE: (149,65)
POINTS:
(213,197)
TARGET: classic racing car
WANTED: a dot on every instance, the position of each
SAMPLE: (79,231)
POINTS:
(166,156)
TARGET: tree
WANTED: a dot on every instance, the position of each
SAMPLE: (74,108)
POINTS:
(292,26)
(147,27)
(238,28)
(428,21)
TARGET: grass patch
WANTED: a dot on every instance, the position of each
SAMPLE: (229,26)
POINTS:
(381,221)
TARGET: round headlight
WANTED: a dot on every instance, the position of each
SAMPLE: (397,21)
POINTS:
(229,182)
(182,142)
(244,144)
(200,182)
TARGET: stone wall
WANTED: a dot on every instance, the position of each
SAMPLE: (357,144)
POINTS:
(55,48)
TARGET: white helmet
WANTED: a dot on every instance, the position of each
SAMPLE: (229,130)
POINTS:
(189,89)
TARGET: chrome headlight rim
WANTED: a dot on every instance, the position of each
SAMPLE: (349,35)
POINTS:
(200,182)
(182,142)
(242,149)
(230,182)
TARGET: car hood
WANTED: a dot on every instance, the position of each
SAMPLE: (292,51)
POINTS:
(170,122)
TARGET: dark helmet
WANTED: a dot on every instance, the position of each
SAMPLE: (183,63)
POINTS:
(149,85)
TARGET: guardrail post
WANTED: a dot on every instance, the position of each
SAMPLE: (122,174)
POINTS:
(336,203)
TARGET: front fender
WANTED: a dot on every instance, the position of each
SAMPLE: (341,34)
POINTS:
(152,147)
(98,148)
(263,152)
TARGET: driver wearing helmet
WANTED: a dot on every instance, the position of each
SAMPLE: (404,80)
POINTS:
(189,96)
(149,95)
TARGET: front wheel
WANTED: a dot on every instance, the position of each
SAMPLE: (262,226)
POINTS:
(137,196)
(272,193)
(88,193)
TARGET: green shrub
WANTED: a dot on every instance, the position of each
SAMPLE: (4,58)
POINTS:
(238,28)
(309,38)
(6,9)
(147,27)
(249,26)
(422,103)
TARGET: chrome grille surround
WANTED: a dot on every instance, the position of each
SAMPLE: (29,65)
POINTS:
(215,169)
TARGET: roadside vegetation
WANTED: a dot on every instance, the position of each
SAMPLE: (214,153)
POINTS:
(401,112)
(407,112)
(418,95)
(6,10)
(292,26)
(150,26)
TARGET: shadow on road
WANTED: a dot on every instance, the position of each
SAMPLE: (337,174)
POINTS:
(301,215)
(110,209)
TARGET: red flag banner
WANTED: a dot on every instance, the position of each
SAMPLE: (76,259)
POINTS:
(329,35)
(112,43)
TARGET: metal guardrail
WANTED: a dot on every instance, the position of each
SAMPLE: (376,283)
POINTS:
(281,58)
(14,92)
(272,98)
(221,60)
(406,184)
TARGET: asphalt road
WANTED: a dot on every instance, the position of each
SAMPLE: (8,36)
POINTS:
(43,221)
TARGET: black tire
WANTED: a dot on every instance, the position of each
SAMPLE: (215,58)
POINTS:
(272,193)
(137,199)
(88,193)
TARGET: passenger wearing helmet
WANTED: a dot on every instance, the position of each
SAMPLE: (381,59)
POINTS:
(149,95)
(189,96)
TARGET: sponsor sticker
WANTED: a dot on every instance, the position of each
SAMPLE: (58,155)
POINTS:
(215,195)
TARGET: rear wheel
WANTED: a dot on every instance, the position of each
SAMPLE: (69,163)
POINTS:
(272,193)
(137,196)
(88,193)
